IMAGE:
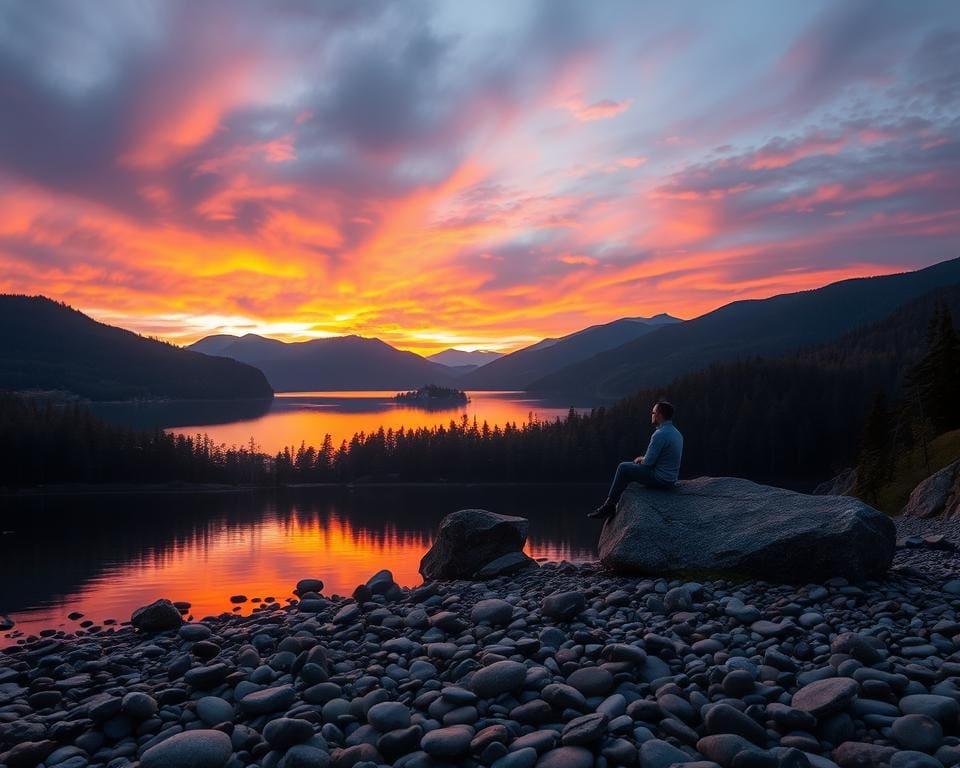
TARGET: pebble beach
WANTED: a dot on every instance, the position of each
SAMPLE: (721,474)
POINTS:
(562,666)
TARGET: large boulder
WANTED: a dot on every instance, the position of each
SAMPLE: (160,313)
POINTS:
(468,540)
(725,524)
(938,495)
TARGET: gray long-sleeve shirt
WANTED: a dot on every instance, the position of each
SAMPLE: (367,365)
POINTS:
(664,452)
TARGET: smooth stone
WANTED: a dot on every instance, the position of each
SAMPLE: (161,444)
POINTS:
(723,748)
(190,749)
(542,741)
(584,730)
(309,585)
(856,645)
(722,718)
(656,753)
(825,696)
(855,754)
(388,716)
(194,632)
(447,743)
(206,677)
(400,742)
(268,700)
(495,612)
(563,606)
(348,614)
(139,706)
(284,732)
(738,683)
(566,757)
(940,708)
(917,732)
(563,696)
(499,677)
(334,709)
(591,681)
(305,756)
(213,710)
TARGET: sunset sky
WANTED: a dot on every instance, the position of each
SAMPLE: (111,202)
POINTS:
(465,174)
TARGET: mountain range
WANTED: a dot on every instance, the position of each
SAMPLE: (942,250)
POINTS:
(357,363)
(461,359)
(744,329)
(45,345)
(337,363)
(520,369)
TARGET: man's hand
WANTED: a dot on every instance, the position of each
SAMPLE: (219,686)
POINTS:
(638,460)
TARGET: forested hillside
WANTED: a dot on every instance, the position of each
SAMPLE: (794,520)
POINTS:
(45,345)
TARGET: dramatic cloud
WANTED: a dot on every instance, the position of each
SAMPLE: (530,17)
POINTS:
(435,174)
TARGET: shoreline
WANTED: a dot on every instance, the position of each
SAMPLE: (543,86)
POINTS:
(120,489)
(562,665)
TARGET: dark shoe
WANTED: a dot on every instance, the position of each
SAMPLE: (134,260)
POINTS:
(604,510)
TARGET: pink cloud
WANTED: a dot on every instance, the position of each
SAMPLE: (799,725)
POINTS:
(598,110)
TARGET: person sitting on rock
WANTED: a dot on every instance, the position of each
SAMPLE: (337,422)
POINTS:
(659,467)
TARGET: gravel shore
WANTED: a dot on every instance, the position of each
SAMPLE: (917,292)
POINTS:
(563,666)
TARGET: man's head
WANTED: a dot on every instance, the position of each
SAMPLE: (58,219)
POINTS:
(662,411)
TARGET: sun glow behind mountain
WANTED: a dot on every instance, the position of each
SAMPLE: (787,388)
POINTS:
(445,175)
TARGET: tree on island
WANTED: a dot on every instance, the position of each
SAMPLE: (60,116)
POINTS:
(431,393)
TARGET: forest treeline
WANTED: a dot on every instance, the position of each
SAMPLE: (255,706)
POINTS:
(793,420)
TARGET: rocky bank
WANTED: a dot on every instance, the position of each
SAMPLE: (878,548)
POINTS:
(556,666)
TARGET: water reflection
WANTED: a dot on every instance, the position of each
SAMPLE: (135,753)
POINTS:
(105,555)
(292,417)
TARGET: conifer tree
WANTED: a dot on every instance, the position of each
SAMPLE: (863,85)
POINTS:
(873,467)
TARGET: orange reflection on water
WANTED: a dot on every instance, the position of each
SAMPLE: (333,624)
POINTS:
(296,417)
(266,558)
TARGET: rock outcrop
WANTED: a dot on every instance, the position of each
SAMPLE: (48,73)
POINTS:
(731,525)
(938,495)
(469,540)
(841,485)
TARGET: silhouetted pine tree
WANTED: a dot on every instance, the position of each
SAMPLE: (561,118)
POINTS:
(873,465)
(936,377)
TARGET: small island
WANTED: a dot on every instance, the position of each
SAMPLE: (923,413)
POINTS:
(433,396)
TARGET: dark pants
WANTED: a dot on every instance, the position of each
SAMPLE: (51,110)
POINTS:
(631,472)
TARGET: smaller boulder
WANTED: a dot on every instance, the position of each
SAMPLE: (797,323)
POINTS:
(159,616)
(469,539)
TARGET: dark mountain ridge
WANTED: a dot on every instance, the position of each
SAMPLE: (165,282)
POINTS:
(521,368)
(743,329)
(458,358)
(337,363)
(46,345)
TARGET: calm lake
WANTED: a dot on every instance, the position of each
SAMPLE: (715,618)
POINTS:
(104,555)
(292,417)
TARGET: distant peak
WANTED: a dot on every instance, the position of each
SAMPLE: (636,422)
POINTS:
(658,319)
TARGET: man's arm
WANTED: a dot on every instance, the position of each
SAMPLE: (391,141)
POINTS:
(653,450)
